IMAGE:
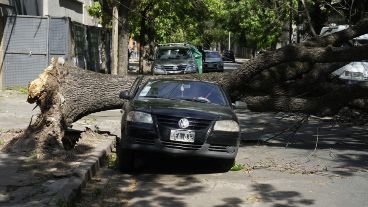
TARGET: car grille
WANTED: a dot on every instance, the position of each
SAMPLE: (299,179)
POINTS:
(217,148)
(144,141)
(169,67)
(172,122)
(181,145)
(173,68)
(182,67)
(211,65)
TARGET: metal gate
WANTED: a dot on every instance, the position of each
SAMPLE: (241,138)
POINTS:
(30,42)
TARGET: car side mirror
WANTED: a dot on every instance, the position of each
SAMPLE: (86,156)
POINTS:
(239,105)
(125,95)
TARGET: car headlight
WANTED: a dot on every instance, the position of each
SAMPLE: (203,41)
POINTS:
(158,67)
(141,117)
(190,68)
(227,126)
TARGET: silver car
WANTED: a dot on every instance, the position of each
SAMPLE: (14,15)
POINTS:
(213,61)
(173,58)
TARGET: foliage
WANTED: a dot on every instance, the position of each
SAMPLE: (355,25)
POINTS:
(95,9)
(170,21)
(237,167)
(20,89)
(258,23)
(111,160)
(253,23)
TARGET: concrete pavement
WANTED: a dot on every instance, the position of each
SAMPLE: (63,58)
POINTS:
(26,180)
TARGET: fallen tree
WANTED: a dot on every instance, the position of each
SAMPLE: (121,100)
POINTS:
(295,78)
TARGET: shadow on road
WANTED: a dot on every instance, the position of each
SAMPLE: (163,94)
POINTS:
(154,163)
(268,194)
(341,148)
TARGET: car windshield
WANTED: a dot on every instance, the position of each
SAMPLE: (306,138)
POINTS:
(212,55)
(195,91)
(173,53)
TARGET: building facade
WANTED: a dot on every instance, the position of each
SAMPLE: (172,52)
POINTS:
(76,10)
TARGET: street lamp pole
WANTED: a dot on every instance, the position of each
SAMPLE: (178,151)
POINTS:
(229,41)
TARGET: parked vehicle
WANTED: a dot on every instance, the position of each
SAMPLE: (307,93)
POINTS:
(181,118)
(213,61)
(355,71)
(228,55)
(173,58)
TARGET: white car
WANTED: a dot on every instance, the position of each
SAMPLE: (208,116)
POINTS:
(354,71)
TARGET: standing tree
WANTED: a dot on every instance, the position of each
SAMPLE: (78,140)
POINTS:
(114,14)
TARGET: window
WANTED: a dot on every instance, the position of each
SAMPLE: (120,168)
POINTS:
(184,90)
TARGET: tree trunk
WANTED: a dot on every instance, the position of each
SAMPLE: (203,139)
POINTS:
(65,94)
(123,41)
(115,41)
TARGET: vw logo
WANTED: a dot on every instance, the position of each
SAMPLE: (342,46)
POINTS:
(183,123)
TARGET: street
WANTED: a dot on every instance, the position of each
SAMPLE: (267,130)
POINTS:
(289,170)
(322,164)
(228,66)
(183,103)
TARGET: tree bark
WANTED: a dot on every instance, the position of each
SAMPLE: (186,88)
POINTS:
(123,41)
(328,104)
(115,41)
(65,94)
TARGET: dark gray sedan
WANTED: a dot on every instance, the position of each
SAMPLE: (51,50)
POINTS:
(181,118)
(213,61)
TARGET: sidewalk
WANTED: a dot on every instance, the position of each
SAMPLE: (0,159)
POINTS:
(27,179)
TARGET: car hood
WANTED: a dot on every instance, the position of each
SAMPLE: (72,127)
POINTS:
(213,60)
(184,109)
(171,62)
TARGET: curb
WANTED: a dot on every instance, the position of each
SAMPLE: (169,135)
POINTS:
(72,187)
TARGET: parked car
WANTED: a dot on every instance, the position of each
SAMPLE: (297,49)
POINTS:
(178,117)
(353,72)
(213,61)
(173,58)
(228,55)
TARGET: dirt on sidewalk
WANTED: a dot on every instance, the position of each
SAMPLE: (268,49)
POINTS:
(29,177)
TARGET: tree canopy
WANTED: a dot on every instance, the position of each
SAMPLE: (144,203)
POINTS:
(253,23)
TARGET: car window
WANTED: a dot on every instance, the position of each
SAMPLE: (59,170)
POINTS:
(173,53)
(212,55)
(135,87)
(184,90)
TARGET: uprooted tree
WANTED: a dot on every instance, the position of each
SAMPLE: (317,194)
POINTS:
(295,78)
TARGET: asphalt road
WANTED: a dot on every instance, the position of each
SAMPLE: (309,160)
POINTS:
(230,66)
(321,165)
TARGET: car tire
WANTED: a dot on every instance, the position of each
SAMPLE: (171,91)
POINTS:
(226,164)
(125,160)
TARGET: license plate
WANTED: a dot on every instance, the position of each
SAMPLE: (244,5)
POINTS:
(182,135)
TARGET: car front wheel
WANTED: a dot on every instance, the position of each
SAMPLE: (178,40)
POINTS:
(125,160)
(226,164)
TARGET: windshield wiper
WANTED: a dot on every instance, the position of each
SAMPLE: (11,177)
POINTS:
(150,96)
(195,100)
